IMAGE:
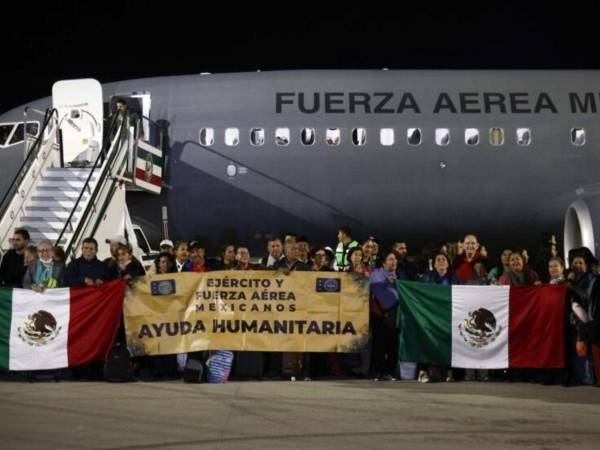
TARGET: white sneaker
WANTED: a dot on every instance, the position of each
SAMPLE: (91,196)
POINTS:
(423,377)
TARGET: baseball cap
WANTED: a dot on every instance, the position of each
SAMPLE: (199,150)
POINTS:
(118,239)
(166,242)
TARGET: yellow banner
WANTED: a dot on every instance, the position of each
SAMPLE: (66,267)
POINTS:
(247,310)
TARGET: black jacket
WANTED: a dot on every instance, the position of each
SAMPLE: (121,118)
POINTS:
(79,269)
(299,266)
(12,269)
(134,268)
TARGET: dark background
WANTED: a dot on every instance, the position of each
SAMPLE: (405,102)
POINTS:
(42,43)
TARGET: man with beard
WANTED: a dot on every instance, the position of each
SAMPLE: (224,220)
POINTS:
(405,269)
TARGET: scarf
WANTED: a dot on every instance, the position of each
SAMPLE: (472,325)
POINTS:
(43,273)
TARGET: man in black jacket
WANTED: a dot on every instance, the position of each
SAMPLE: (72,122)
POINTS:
(291,262)
(13,268)
(87,270)
(405,270)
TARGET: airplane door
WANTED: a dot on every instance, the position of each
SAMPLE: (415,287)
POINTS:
(146,162)
(139,102)
(80,114)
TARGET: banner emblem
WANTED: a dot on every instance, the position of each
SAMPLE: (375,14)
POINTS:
(479,328)
(40,329)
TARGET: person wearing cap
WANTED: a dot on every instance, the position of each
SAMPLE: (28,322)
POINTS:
(166,246)
(321,261)
(111,262)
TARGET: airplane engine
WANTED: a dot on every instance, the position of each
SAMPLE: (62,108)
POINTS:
(582,225)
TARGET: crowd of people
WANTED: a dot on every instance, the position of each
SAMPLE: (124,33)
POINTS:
(464,262)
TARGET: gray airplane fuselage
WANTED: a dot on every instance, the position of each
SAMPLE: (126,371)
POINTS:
(505,193)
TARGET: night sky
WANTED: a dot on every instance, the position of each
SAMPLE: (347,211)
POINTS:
(113,41)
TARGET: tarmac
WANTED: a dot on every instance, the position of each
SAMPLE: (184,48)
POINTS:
(348,414)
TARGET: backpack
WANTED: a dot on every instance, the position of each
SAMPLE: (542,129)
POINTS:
(117,367)
(194,371)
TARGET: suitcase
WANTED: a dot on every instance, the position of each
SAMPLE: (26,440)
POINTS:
(194,371)
(118,367)
(249,364)
(219,366)
(291,364)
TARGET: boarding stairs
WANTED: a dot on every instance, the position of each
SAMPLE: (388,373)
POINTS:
(67,202)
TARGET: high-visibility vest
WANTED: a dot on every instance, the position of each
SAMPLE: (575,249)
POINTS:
(341,255)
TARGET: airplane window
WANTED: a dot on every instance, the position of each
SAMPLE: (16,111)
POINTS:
(386,136)
(232,137)
(308,136)
(523,137)
(207,136)
(257,136)
(496,136)
(17,136)
(33,128)
(577,136)
(282,136)
(333,136)
(5,131)
(359,136)
(472,136)
(413,136)
(442,136)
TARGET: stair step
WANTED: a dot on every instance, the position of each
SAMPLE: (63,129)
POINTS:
(66,180)
(37,236)
(56,191)
(78,184)
(45,230)
(42,225)
(53,207)
(47,213)
(70,172)
(50,197)
(57,176)
(50,202)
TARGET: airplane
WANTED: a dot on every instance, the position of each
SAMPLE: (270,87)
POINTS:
(414,155)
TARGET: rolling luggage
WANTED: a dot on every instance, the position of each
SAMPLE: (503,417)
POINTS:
(219,366)
(248,364)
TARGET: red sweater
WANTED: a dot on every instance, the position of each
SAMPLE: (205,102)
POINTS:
(463,269)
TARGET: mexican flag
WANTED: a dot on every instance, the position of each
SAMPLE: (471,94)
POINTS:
(59,327)
(482,327)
